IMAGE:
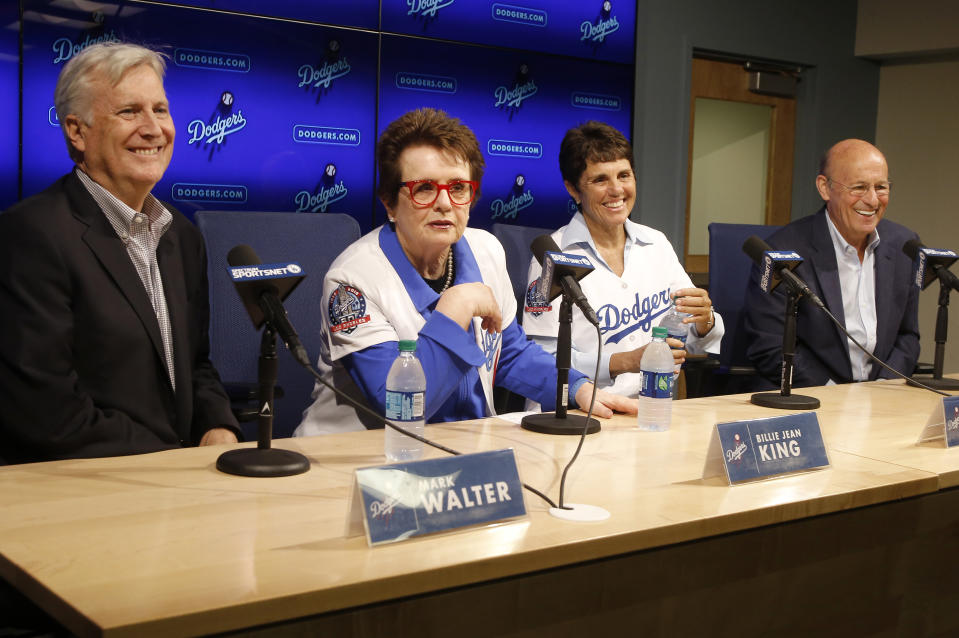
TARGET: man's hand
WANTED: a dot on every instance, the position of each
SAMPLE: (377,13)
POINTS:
(218,436)
(606,402)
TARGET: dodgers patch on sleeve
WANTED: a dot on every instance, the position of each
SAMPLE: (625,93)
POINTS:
(347,309)
(536,303)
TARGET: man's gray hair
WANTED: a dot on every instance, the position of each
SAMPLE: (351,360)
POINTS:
(113,59)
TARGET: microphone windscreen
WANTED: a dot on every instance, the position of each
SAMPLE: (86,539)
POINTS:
(755,247)
(542,245)
(911,248)
(242,255)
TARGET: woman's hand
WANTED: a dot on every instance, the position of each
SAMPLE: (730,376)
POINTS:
(621,362)
(696,302)
(606,402)
(464,301)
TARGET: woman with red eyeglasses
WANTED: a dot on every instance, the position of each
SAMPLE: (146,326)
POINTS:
(425,275)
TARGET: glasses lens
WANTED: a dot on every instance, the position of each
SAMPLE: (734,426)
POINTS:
(461,192)
(424,192)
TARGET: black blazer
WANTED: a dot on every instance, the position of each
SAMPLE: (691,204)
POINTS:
(82,371)
(821,351)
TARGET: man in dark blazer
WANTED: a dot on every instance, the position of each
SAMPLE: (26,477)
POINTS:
(103,291)
(853,260)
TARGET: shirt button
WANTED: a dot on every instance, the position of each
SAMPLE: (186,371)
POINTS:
(625,285)
(138,219)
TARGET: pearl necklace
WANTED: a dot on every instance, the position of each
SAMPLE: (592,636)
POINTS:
(449,272)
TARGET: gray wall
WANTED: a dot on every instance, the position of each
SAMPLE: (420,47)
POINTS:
(837,97)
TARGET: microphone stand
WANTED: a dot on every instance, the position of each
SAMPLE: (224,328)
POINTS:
(784,399)
(942,323)
(559,422)
(263,460)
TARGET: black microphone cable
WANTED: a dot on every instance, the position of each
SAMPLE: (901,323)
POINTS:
(589,415)
(421,439)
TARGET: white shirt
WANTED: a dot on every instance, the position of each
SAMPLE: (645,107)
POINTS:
(857,281)
(628,306)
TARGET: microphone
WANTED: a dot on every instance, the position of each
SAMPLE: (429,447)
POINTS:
(778,265)
(561,273)
(262,287)
(931,264)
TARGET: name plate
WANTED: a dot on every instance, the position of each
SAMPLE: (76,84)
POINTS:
(764,448)
(943,423)
(402,500)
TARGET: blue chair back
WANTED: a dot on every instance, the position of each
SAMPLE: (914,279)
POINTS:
(516,241)
(728,277)
(311,240)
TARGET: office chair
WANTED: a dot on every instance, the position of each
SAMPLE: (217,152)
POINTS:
(311,240)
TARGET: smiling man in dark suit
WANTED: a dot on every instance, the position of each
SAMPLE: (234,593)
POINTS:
(853,260)
(103,293)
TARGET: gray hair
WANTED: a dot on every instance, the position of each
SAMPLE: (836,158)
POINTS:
(73,93)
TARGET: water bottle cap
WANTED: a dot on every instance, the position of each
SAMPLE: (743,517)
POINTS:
(660,332)
(408,345)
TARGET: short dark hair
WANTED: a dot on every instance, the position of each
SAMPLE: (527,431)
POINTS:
(591,142)
(424,127)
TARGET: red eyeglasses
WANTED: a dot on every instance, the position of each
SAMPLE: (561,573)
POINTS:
(425,191)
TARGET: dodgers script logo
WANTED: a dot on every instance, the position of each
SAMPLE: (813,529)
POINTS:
(627,320)
(514,97)
(507,209)
(736,452)
(604,25)
(65,48)
(224,122)
(323,75)
(490,345)
(321,199)
(347,309)
(536,302)
(426,8)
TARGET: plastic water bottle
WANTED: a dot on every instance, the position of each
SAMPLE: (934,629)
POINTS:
(405,402)
(655,393)
(673,322)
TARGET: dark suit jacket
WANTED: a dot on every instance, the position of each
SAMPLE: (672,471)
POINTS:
(82,371)
(821,350)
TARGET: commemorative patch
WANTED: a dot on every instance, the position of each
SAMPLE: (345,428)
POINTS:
(536,302)
(347,309)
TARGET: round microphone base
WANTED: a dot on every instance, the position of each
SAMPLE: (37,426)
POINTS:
(548,423)
(261,462)
(938,384)
(580,513)
(785,402)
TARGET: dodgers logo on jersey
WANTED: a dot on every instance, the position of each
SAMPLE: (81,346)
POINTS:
(628,320)
(536,303)
(490,345)
(347,309)
(736,452)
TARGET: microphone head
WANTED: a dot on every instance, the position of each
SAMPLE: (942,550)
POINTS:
(926,261)
(541,245)
(252,279)
(771,262)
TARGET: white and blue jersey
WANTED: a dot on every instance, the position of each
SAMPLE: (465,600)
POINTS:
(375,297)
(628,307)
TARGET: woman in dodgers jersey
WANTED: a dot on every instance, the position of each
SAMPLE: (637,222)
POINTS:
(426,276)
(636,269)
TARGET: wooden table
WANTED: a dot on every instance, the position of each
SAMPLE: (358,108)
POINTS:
(163,544)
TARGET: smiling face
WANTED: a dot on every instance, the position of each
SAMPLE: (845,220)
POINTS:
(426,232)
(606,192)
(850,164)
(128,142)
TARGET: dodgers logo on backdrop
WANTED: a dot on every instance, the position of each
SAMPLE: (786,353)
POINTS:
(605,24)
(629,319)
(426,8)
(347,309)
(520,15)
(581,100)
(223,123)
(517,201)
(536,302)
(523,88)
(185,192)
(736,452)
(320,200)
(410,81)
(323,75)
(65,48)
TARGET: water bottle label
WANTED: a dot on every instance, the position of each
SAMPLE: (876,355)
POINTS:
(657,385)
(404,406)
